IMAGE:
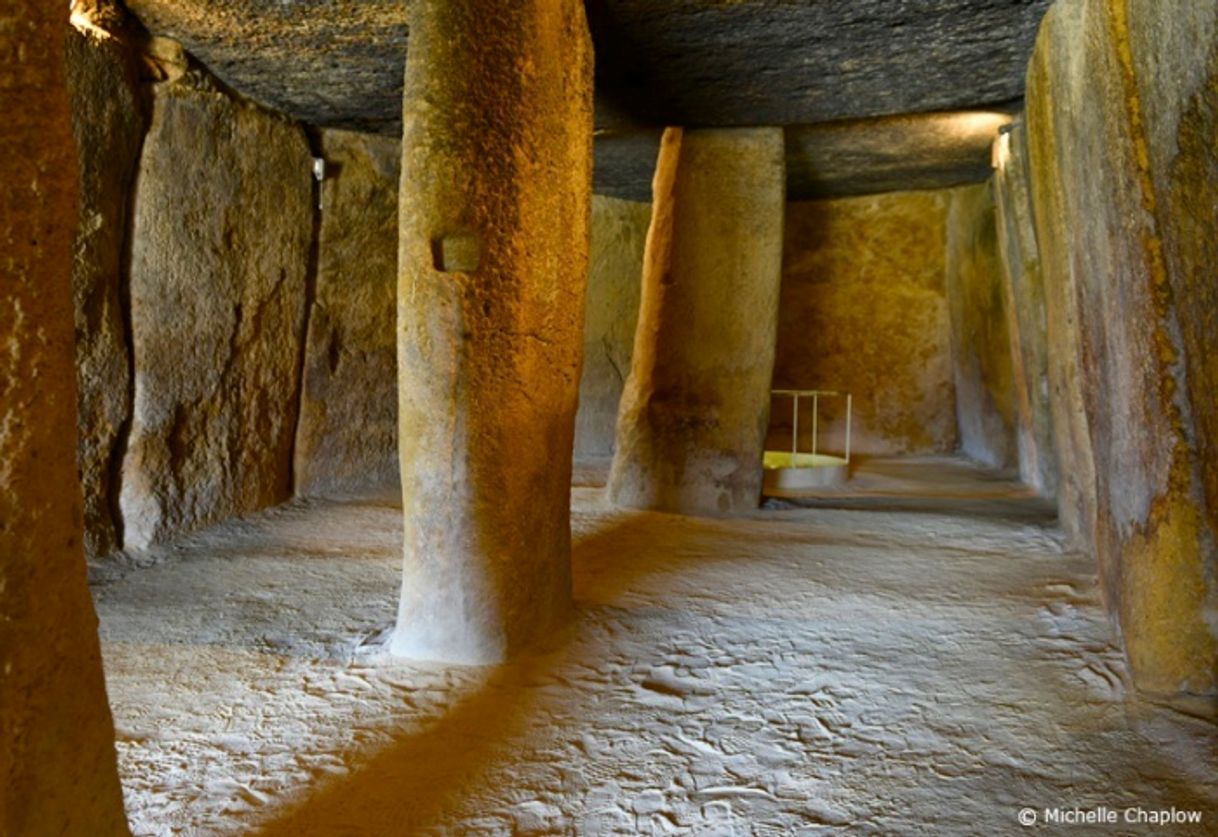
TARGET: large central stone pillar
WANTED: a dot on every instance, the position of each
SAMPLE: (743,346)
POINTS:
(691,427)
(494,217)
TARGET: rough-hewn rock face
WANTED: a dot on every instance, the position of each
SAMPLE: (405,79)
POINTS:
(666,62)
(1071,427)
(108,123)
(981,341)
(1024,301)
(1124,175)
(346,441)
(335,65)
(691,427)
(220,247)
(892,154)
(673,62)
(57,763)
(772,62)
(864,309)
(615,275)
(493,259)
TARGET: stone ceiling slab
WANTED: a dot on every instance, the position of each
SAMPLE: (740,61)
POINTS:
(837,159)
(891,154)
(338,63)
(787,62)
(327,63)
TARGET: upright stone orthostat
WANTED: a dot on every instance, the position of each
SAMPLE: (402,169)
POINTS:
(864,306)
(1024,292)
(494,213)
(108,122)
(692,423)
(57,762)
(219,254)
(1122,112)
(981,339)
(615,274)
(347,435)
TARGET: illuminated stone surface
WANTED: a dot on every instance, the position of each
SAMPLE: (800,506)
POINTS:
(489,360)
(615,276)
(57,767)
(1124,178)
(845,667)
(864,309)
(108,122)
(346,441)
(1024,301)
(981,338)
(691,426)
(220,246)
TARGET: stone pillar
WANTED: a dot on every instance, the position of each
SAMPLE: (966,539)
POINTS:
(494,218)
(57,761)
(691,428)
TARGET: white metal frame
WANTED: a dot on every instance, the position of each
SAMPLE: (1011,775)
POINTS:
(815,395)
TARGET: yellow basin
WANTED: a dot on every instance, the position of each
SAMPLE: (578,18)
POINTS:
(786,471)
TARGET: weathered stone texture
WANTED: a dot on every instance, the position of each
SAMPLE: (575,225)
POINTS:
(615,275)
(1072,434)
(981,342)
(57,760)
(495,205)
(336,64)
(835,159)
(346,441)
(1024,301)
(220,246)
(863,309)
(890,154)
(692,422)
(108,123)
(664,62)
(776,62)
(1121,119)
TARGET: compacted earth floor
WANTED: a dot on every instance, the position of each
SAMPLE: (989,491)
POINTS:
(917,654)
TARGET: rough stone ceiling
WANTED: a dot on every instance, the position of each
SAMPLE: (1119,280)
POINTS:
(338,63)
(788,62)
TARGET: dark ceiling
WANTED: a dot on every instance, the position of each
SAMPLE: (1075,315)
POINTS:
(338,63)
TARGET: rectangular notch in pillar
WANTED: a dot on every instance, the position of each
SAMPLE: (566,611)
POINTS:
(456,253)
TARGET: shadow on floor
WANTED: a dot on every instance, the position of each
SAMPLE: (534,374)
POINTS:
(947,627)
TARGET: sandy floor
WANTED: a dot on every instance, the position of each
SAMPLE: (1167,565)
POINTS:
(897,661)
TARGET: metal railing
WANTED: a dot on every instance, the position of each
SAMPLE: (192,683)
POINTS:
(815,395)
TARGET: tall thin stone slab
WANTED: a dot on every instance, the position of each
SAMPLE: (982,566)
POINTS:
(1024,300)
(494,216)
(57,760)
(108,121)
(691,427)
(986,407)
